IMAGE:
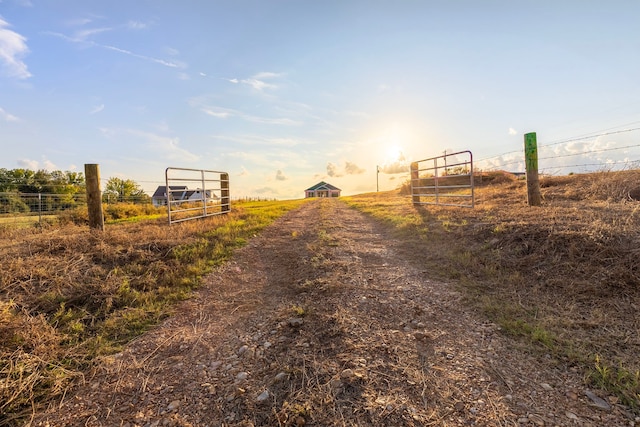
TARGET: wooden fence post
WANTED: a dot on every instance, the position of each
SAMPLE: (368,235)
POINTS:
(94,196)
(224,192)
(531,161)
(415,176)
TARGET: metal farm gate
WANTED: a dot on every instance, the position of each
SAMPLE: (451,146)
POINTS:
(445,180)
(195,193)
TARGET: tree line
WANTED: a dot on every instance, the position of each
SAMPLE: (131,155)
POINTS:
(58,190)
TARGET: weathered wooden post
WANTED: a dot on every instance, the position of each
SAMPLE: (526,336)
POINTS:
(415,179)
(224,192)
(531,161)
(94,196)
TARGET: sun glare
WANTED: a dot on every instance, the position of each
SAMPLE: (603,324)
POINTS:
(394,153)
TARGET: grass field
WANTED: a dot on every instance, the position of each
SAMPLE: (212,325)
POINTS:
(563,279)
(69,294)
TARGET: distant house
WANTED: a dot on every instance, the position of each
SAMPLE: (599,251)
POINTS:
(322,189)
(159,198)
(179,193)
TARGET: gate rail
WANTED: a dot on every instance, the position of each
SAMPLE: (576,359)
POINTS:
(443,180)
(209,198)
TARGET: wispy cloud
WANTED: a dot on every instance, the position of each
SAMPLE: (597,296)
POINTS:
(166,146)
(137,25)
(280,176)
(225,113)
(84,37)
(7,117)
(259,81)
(145,57)
(254,140)
(395,166)
(97,109)
(13,47)
(512,131)
(349,168)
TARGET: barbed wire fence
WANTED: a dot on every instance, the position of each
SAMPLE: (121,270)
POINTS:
(552,151)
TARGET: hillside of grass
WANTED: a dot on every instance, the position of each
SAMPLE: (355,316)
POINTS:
(563,278)
(69,294)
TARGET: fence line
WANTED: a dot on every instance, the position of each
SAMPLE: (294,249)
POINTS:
(503,162)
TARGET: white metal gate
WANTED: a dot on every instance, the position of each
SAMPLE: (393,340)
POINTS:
(445,180)
(195,193)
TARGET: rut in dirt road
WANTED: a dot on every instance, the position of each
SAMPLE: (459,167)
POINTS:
(321,320)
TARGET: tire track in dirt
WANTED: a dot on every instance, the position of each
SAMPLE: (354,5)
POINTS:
(323,320)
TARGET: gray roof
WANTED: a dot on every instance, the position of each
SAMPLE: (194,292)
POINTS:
(323,186)
(161,191)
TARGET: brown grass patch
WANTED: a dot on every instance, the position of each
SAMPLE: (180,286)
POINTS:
(564,276)
(69,294)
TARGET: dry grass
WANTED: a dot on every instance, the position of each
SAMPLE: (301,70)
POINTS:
(69,294)
(565,277)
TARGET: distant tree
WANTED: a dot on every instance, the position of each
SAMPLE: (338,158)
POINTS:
(122,190)
(42,181)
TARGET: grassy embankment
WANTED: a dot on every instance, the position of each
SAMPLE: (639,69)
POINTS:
(564,278)
(69,295)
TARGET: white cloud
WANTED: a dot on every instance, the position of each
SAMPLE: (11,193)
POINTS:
(137,25)
(97,109)
(235,81)
(35,165)
(259,85)
(7,117)
(353,169)
(13,47)
(333,170)
(244,171)
(258,82)
(280,176)
(28,164)
(512,131)
(349,168)
(82,35)
(222,114)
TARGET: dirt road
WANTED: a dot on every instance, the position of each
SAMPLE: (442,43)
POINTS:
(327,319)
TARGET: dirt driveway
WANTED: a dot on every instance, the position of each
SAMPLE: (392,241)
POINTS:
(326,319)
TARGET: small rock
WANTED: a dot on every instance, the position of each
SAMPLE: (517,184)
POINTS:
(295,322)
(266,344)
(173,405)
(572,395)
(571,415)
(242,376)
(243,349)
(281,376)
(263,396)
(459,406)
(546,386)
(597,401)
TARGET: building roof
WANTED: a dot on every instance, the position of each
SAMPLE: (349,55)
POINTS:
(323,186)
(161,191)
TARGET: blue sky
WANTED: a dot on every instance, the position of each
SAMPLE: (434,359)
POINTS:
(283,94)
